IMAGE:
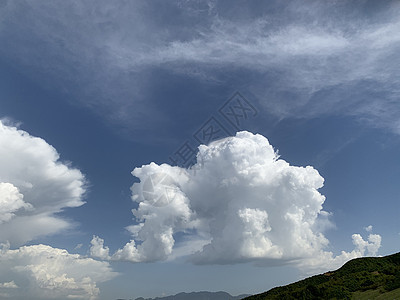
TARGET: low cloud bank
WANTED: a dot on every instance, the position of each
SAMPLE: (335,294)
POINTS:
(43,272)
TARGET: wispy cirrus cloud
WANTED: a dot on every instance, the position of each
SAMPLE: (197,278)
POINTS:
(318,58)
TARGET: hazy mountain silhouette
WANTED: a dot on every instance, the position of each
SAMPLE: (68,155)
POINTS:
(199,296)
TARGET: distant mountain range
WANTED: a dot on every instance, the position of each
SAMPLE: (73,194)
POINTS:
(199,296)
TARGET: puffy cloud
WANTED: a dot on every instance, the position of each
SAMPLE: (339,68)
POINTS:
(11,200)
(372,245)
(43,272)
(368,228)
(163,210)
(98,250)
(239,203)
(34,186)
(324,261)
(8,285)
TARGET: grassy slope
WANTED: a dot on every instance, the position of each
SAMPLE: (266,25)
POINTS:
(361,278)
(377,295)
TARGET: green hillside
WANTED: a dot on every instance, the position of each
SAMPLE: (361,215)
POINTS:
(361,278)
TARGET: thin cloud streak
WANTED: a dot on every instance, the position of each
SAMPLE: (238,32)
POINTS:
(313,53)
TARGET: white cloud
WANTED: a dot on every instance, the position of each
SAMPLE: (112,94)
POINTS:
(319,56)
(324,261)
(43,272)
(368,228)
(34,186)
(10,201)
(163,211)
(79,246)
(8,285)
(97,249)
(239,203)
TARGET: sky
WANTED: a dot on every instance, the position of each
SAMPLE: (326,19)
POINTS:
(149,148)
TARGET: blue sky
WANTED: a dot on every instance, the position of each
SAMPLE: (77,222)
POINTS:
(114,86)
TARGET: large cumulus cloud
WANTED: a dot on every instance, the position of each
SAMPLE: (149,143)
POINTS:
(34,186)
(43,272)
(240,202)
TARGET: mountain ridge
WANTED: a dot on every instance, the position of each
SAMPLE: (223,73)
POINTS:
(372,277)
